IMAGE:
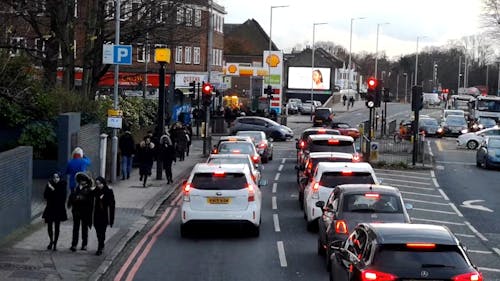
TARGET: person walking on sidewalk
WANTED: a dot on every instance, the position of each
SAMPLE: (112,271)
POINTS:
(344,99)
(351,101)
(55,209)
(80,203)
(79,163)
(167,155)
(127,149)
(180,139)
(103,212)
(145,157)
(189,136)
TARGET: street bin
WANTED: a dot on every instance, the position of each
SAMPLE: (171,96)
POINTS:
(218,126)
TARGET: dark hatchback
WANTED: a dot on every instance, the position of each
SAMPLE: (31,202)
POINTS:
(401,252)
(273,130)
(323,116)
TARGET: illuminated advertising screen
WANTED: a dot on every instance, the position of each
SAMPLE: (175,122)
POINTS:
(305,77)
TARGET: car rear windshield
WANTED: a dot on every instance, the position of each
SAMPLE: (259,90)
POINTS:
(332,179)
(256,137)
(213,181)
(322,113)
(332,146)
(315,161)
(230,161)
(443,256)
(236,147)
(372,202)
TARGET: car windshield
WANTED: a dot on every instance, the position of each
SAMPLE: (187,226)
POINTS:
(323,113)
(488,122)
(494,143)
(236,147)
(389,256)
(429,122)
(317,160)
(373,202)
(332,179)
(460,121)
(219,181)
(228,160)
(256,136)
(331,146)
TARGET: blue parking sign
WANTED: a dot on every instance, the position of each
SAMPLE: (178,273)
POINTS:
(122,54)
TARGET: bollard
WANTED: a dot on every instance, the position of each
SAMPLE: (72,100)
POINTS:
(102,154)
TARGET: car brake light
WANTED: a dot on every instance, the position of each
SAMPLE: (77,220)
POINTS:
(419,245)
(321,131)
(333,141)
(469,276)
(251,193)
(346,173)
(315,187)
(185,190)
(233,139)
(356,158)
(255,158)
(302,144)
(373,275)
(236,151)
(215,151)
(341,227)
(219,173)
(310,165)
(372,195)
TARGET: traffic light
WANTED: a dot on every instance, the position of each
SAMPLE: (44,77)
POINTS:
(417,99)
(206,90)
(378,93)
(370,94)
(192,89)
(387,95)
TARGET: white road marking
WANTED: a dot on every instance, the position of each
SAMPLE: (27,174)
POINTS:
(421,194)
(276,223)
(284,159)
(281,254)
(277,176)
(426,202)
(438,221)
(496,251)
(430,149)
(443,194)
(433,175)
(275,186)
(465,235)
(280,167)
(422,176)
(469,204)
(413,187)
(397,172)
(407,181)
(473,229)
(456,163)
(434,211)
(488,269)
(436,184)
(274,203)
(452,205)
(439,167)
(479,252)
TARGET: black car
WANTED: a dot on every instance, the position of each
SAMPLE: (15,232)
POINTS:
(273,130)
(429,126)
(351,204)
(453,126)
(398,251)
(322,116)
(329,143)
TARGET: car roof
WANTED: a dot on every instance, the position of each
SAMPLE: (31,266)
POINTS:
(253,132)
(318,129)
(228,168)
(218,156)
(328,108)
(235,138)
(342,166)
(328,136)
(255,117)
(399,233)
(330,154)
(356,188)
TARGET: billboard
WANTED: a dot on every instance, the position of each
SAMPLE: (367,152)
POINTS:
(307,78)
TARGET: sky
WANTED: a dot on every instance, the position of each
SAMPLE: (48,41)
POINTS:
(433,21)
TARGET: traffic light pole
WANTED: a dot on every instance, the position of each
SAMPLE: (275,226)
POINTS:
(368,147)
(205,137)
(415,139)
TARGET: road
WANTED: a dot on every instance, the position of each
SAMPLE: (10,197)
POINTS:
(285,250)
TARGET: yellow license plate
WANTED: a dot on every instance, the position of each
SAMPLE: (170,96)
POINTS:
(218,200)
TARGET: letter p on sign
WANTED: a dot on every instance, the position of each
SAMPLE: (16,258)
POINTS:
(122,54)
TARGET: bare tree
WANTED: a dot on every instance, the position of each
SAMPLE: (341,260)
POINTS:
(491,18)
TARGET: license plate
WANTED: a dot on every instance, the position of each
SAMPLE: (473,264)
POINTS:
(319,121)
(218,200)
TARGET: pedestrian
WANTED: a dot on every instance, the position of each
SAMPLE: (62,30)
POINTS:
(80,203)
(103,211)
(55,209)
(344,99)
(351,101)
(189,135)
(167,155)
(127,149)
(180,140)
(145,157)
(79,163)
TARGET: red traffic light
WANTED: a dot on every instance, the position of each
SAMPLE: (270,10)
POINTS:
(372,83)
(207,89)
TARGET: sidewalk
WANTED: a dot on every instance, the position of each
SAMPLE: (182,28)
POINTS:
(24,256)
(340,108)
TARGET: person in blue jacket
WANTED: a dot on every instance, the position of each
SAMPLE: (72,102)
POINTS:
(79,163)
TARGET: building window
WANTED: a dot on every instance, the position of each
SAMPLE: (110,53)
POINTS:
(189,17)
(178,54)
(220,57)
(109,9)
(187,55)
(197,17)
(180,15)
(76,8)
(17,44)
(39,47)
(136,10)
(196,55)
(164,12)
(141,52)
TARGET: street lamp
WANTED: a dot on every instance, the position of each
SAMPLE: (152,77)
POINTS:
(350,53)
(416,61)
(406,85)
(271,25)
(312,60)
(376,48)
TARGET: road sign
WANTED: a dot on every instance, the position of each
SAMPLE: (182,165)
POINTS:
(374,151)
(115,122)
(117,54)
(374,146)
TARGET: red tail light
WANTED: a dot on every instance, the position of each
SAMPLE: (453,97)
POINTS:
(372,195)
(315,187)
(341,227)
(333,141)
(236,151)
(302,144)
(215,151)
(469,276)
(255,158)
(356,158)
(219,174)
(373,275)
(251,193)
(310,165)
(346,173)
(262,145)
(419,245)
(185,191)
(321,131)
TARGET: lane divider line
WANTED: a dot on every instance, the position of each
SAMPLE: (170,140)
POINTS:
(473,229)
(284,159)
(479,252)
(275,187)
(276,223)
(413,187)
(430,149)
(443,194)
(277,176)
(280,168)
(274,203)
(452,205)
(407,181)
(434,211)
(438,221)
(426,202)
(404,176)
(399,173)
(489,269)
(465,235)
(281,253)
(436,184)
(420,194)
(433,175)
(496,250)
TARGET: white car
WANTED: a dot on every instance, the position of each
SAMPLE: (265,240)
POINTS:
(472,140)
(221,193)
(237,159)
(328,175)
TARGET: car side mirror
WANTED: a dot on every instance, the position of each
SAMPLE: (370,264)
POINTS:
(320,204)
(262,182)
(408,206)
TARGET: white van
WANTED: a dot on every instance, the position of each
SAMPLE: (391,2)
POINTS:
(431,99)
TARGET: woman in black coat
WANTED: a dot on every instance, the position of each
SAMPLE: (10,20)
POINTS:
(55,210)
(80,202)
(145,157)
(103,211)
(167,155)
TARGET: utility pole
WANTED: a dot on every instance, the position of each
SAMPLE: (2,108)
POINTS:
(206,140)
(114,140)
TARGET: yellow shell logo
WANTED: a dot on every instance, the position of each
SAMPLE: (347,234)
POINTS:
(273,60)
(232,68)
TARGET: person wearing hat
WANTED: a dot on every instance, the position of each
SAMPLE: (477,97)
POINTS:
(55,210)
(145,158)
(79,163)
(103,211)
(80,203)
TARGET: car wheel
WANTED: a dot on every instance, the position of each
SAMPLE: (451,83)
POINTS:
(478,164)
(312,226)
(321,250)
(472,144)
(265,159)
(486,164)
(184,231)
(255,231)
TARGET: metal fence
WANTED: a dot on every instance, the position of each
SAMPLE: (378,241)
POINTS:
(386,150)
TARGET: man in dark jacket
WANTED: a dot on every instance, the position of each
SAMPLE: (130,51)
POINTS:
(55,210)
(167,155)
(103,211)
(127,148)
(80,202)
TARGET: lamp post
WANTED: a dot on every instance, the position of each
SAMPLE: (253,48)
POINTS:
(350,53)
(376,47)
(498,85)
(416,61)
(406,85)
(312,62)
(114,139)
(271,25)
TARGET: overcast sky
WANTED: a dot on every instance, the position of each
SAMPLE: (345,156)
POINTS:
(437,20)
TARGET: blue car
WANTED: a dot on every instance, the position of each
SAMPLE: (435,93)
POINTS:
(488,153)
